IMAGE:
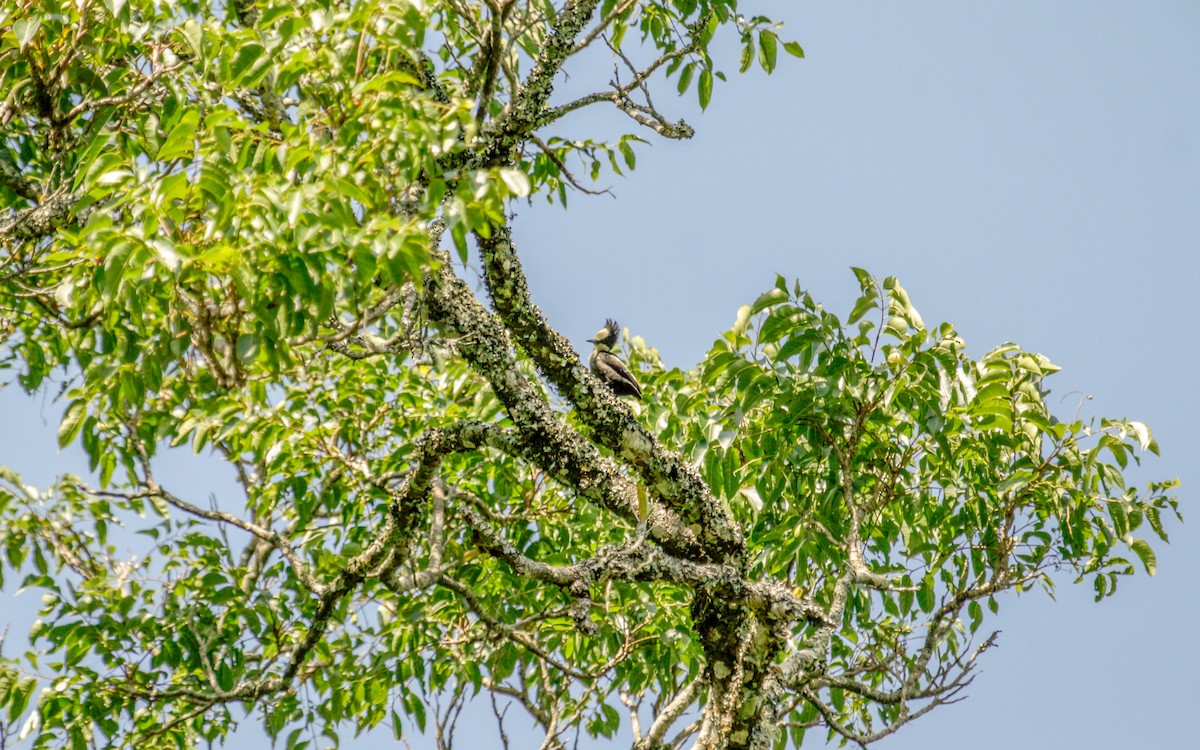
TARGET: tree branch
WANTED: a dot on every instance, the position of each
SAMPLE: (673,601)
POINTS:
(39,221)
(664,472)
(527,111)
(544,438)
(669,715)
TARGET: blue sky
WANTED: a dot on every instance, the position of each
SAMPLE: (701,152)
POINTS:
(1031,172)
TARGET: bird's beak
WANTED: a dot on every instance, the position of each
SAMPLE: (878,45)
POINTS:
(592,341)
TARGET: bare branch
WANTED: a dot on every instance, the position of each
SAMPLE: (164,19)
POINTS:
(644,114)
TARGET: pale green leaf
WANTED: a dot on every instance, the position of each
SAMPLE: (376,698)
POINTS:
(114,267)
(1143,434)
(114,177)
(180,142)
(767,50)
(743,319)
(770,298)
(747,58)
(1142,549)
(71,422)
(247,347)
(26,29)
(392,80)
(249,65)
(193,36)
(516,181)
(18,698)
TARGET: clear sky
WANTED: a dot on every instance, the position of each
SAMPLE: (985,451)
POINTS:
(1031,172)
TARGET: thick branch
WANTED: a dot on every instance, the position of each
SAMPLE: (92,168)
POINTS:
(544,439)
(664,472)
(39,221)
(638,561)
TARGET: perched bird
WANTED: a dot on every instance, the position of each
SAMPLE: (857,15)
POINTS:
(605,365)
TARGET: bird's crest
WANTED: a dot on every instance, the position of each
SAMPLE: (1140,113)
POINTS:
(608,335)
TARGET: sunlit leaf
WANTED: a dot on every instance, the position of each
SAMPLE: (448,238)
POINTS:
(767,50)
(1146,555)
(72,420)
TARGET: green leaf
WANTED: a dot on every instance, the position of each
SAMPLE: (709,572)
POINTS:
(1142,549)
(705,88)
(418,709)
(114,177)
(864,305)
(114,267)
(458,232)
(627,153)
(1120,519)
(685,77)
(247,348)
(767,50)
(26,29)
(993,392)
(1144,438)
(1155,518)
(767,299)
(743,320)
(516,181)
(249,65)
(747,58)
(19,699)
(925,598)
(71,422)
(794,49)
(180,142)
(865,279)
(115,7)
(193,36)
(225,677)
(975,613)
(273,13)
(388,82)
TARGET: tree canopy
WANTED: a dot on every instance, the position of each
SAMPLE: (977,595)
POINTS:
(245,229)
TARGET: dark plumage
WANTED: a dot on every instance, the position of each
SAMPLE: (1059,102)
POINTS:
(605,365)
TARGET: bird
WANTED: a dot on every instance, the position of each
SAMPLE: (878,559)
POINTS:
(605,365)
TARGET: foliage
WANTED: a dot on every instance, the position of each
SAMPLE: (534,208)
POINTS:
(223,231)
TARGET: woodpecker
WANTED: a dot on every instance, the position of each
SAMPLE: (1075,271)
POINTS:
(605,365)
